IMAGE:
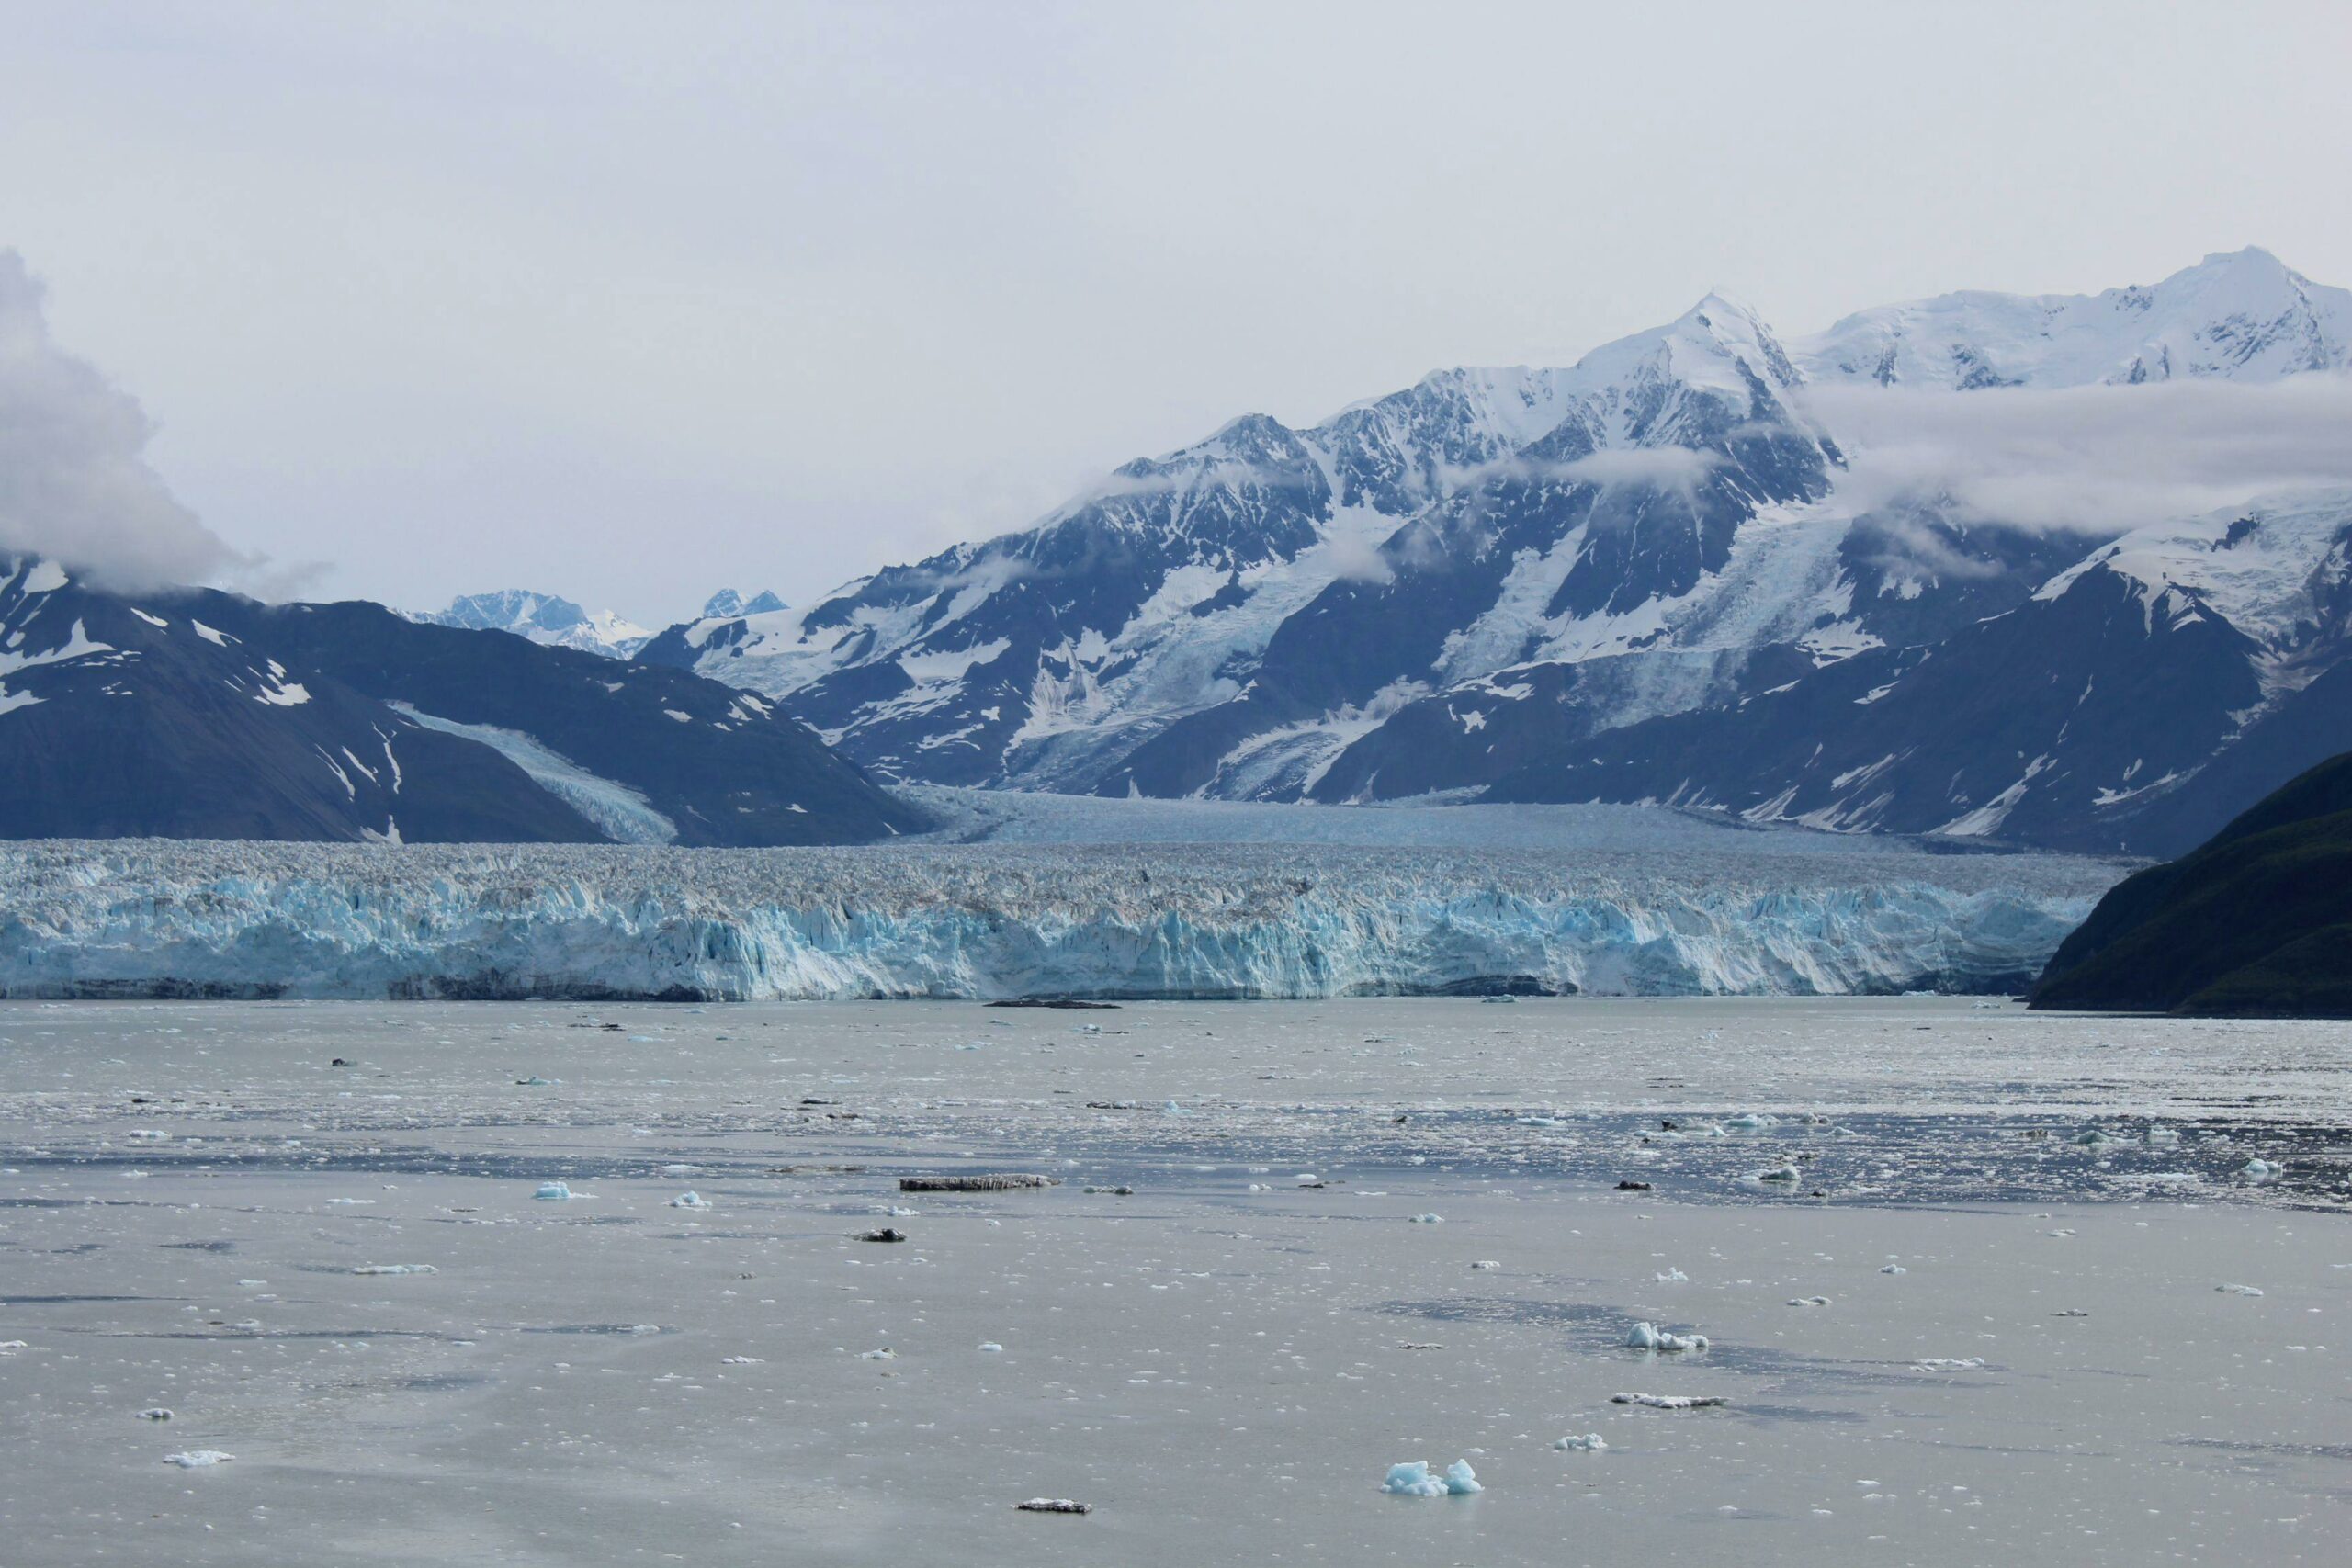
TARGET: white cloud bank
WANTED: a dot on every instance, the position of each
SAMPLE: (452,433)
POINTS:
(74,483)
(2091,458)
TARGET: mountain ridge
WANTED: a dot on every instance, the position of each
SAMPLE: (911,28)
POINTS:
(1468,579)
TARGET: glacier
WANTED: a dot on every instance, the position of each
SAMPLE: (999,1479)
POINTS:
(147,917)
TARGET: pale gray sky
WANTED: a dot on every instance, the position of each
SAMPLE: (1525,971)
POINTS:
(630,301)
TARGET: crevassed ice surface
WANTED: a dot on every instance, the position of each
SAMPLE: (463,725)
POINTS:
(990,920)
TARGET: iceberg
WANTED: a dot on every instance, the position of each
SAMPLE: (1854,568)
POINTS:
(600,922)
(1650,1337)
(1413,1480)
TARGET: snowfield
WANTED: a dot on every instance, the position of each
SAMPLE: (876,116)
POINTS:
(1711,917)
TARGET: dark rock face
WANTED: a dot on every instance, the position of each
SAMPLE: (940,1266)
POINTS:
(2257,922)
(202,715)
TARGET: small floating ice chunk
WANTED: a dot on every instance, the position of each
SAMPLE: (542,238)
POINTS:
(1054,1505)
(1749,1122)
(990,1347)
(1673,1277)
(1413,1479)
(1809,1300)
(1779,1173)
(552,1192)
(396,1269)
(1486,1263)
(1949,1364)
(884,1354)
(740,1361)
(1429,1219)
(1584,1443)
(689,1200)
(198,1459)
(2094,1138)
(2163,1135)
(156,1413)
(1670,1401)
(1650,1337)
(2261,1169)
(2239,1289)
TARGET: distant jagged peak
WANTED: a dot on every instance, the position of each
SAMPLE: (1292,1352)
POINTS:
(728,602)
(509,609)
(545,618)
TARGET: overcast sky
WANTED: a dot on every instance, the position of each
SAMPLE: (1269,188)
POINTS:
(632,301)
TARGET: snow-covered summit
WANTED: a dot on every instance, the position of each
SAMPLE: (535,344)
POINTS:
(2237,315)
(544,618)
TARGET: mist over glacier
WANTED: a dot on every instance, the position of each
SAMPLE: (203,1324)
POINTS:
(1712,913)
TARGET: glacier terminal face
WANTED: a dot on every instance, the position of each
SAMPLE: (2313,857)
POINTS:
(153,918)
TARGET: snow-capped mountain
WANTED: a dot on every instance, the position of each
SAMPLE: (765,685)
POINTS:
(1667,571)
(546,619)
(728,601)
(193,714)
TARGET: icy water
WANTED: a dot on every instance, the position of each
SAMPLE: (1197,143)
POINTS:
(1977,1283)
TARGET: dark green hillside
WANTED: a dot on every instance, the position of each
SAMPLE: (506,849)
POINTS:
(2257,922)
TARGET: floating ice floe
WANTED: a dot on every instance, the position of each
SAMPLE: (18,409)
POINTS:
(1673,1277)
(1413,1480)
(1780,1173)
(552,1191)
(884,1354)
(740,1361)
(2239,1289)
(990,1347)
(2095,1138)
(1750,1122)
(1670,1401)
(1894,1268)
(2261,1169)
(1584,1443)
(2163,1135)
(198,1459)
(1054,1505)
(1809,1300)
(689,1200)
(1650,1337)
(158,1412)
(1429,1219)
(396,1269)
(1949,1364)
(1486,1263)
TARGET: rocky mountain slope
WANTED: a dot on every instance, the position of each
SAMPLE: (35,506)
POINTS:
(1665,572)
(203,715)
